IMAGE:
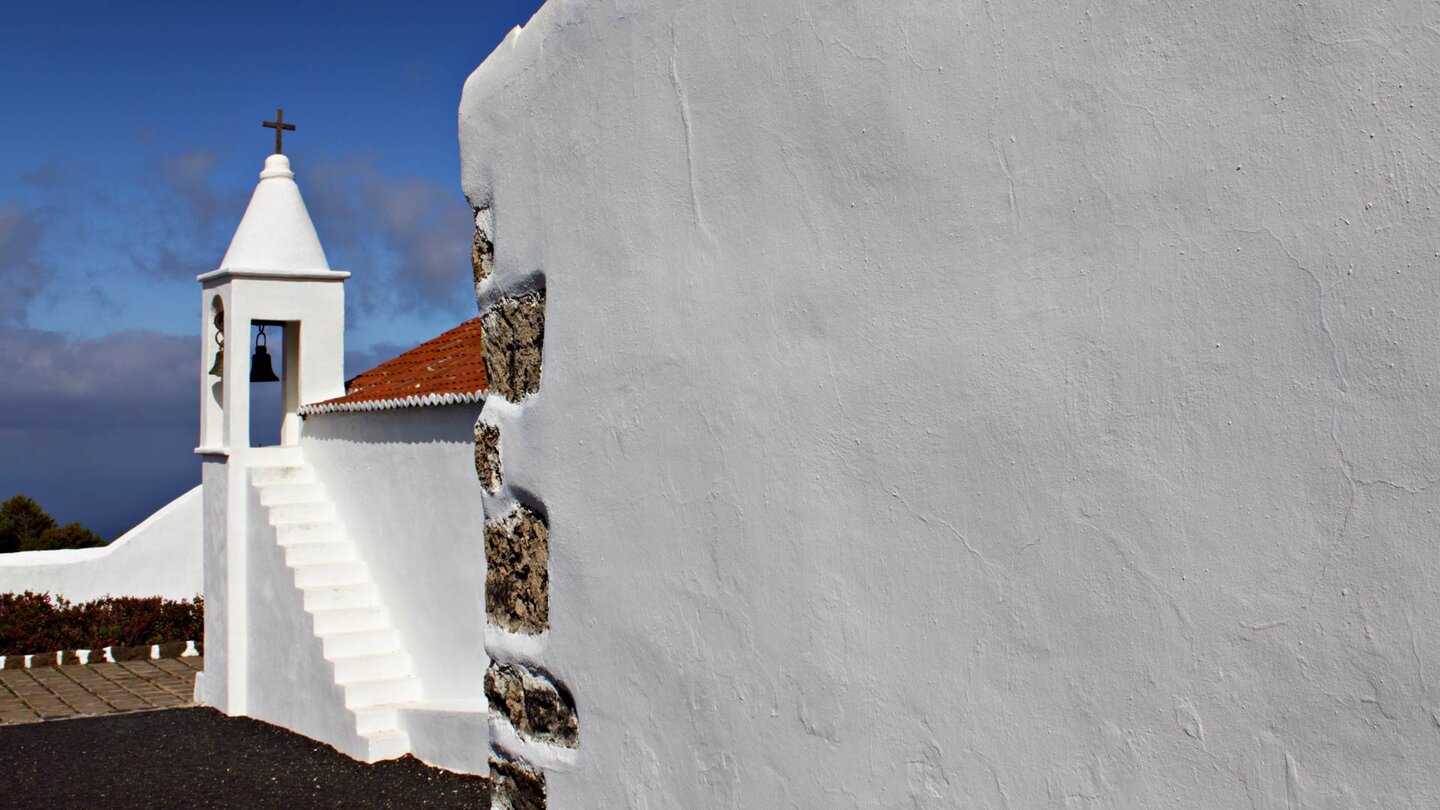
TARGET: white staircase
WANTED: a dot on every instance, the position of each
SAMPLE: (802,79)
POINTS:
(370,664)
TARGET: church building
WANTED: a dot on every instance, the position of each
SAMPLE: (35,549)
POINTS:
(344,566)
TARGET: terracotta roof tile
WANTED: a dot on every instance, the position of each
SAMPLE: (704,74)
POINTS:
(440,371)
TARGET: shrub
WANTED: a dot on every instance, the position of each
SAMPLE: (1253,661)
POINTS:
(36,622)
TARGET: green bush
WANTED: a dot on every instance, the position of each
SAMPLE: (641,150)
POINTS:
(38,622)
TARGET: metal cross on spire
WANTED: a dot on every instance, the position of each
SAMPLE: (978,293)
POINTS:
(279,126)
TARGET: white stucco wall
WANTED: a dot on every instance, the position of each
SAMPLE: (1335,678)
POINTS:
(403,483)
(160,557)
(980,404)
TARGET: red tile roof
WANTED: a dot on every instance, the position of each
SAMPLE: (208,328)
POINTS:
(442,371)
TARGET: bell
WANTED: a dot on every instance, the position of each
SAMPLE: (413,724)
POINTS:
(218,370)
(260,368)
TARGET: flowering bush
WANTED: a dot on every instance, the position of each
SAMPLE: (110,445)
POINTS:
(38,622)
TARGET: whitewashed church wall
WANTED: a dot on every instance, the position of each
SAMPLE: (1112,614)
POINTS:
(212,684)
(404,484)
(160,557)
(979,404)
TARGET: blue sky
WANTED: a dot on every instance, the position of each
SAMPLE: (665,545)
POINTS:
(129,145)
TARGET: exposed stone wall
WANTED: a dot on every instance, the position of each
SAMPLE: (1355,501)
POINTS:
(515,785)
(514,340)
(482,248)
(534,704)
(487,456)
(537,706)
(517,578)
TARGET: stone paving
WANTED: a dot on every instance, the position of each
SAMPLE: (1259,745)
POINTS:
(54,693)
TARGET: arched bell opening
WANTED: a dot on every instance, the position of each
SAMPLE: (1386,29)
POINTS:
(273,376)
(212,383)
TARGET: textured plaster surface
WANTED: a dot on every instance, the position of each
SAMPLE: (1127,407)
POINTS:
(160,557)
(981,404)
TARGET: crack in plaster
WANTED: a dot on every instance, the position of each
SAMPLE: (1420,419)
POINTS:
(683,101)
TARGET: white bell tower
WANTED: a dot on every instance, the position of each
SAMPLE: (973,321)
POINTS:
(274,275)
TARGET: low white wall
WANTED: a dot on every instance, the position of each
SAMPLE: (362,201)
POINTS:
(403,483)
(160,557)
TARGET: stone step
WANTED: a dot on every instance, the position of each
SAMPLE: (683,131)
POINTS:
(306,512)
(353,572)
(314,553)
(363,694)
(336,597)
(323,531)
(297,473)
(364,642)
(387,744)
(291,492)
(350,620)
(376,718)
(372,668)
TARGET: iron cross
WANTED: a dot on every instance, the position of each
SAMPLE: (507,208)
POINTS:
(279,126)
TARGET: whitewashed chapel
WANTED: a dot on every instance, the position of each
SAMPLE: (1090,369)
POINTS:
(345,569)
(942,405)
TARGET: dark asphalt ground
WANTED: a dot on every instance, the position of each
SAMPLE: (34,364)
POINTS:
(193,758)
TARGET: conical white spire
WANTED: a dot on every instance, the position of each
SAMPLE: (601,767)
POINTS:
(276,234)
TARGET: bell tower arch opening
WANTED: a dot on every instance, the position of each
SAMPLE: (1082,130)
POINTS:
(212,391)
(268,380)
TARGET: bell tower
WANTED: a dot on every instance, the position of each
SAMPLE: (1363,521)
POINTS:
(275,277)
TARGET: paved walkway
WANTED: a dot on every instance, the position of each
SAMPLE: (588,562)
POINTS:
(53,693)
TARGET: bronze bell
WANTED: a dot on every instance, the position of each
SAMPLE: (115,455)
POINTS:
(260,368)
(218,370)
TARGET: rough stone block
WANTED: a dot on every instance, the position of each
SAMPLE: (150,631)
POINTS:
(487,456)
(513,341)
(534,703)
(515,785)
(482,248)
(517,582)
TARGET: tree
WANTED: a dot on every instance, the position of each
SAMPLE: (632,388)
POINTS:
(24,526)
(71,535)
(22,522)
(9,538)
